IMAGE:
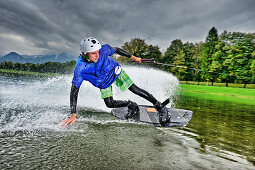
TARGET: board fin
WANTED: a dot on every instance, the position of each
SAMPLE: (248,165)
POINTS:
(165,102)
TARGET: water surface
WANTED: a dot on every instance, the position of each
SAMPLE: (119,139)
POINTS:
(220,135)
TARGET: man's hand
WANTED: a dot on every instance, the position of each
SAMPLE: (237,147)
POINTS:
(70,120)
(136,59)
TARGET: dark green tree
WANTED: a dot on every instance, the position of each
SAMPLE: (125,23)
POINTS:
(242,57)
(218,63)
(154,52)
(189,51)
(179,61)
(207,51)
(253,68)
(172,51)
(136,47)
(197,61)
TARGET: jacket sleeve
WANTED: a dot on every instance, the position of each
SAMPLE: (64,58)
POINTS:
(77,78)
(73,98)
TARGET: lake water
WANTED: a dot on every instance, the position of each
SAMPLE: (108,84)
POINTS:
(220,135)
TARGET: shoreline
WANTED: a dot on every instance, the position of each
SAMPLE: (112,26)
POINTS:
(27,73)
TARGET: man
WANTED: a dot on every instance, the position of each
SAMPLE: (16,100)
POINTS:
(95,65)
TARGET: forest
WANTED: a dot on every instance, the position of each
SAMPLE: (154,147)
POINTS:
(228,57)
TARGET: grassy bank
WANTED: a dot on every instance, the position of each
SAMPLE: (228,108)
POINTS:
(251,86)
(228,94)
(26,73)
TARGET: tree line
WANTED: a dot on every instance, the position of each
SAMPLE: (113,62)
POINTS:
(48,67)
(226,58)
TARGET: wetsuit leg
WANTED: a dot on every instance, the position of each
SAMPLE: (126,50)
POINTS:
(164,115)
(133,109)
(142,93)
(109,102)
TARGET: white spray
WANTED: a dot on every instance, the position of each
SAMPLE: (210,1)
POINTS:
(40,104)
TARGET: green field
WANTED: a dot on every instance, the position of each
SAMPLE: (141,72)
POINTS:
(228,94)
(251,86)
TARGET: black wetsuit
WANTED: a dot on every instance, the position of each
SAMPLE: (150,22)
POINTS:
(110,102)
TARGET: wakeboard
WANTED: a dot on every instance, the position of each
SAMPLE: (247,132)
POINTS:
(149,115)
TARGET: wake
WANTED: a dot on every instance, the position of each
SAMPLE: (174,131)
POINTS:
(43,104)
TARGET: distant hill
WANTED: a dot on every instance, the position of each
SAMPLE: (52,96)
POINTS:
(16,58)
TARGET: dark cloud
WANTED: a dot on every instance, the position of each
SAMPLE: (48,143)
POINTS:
(35,27)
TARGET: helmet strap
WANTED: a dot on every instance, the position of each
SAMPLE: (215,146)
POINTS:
(85,57)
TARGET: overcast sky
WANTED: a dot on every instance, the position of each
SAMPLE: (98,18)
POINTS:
(52,26)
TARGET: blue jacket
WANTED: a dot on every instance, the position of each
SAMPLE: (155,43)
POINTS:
(100,74)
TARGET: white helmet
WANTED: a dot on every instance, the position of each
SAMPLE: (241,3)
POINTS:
(89,44)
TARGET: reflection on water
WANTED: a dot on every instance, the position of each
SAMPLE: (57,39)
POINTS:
(222,126)
(112,145)
(219,136)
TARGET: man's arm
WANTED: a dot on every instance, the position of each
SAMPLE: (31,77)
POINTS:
(126,54)
(73,104)
(73,98)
